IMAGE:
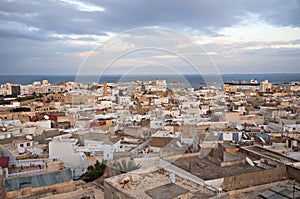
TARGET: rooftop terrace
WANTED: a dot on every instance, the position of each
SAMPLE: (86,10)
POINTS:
(155,183)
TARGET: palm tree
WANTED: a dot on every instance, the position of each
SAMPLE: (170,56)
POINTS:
(125,167)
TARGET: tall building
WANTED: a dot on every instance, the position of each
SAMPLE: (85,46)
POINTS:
(105,89)
(15,90)
(265,86)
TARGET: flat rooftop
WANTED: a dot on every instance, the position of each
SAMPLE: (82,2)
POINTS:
(208,170)
(166,134)
(155,183)
(271,154)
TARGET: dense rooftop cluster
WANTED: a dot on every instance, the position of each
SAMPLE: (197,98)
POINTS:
(213,141)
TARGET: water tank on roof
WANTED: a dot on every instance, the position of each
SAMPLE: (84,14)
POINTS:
(28,137)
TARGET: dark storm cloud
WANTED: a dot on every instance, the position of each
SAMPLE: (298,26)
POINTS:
(64,18)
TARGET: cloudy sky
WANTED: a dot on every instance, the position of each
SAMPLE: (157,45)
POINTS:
(56,36)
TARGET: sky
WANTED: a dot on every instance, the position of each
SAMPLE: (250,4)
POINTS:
(59,36)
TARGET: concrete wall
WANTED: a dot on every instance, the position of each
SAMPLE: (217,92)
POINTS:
(111,192)
(46,134)
(55,189)
(232,116)
(294,173)
(71,159)
(161,141)
(11,139)
(54,166)
(231,163)
(254,178)
(135,132)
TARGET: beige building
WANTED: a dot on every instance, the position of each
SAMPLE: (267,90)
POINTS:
(265,86)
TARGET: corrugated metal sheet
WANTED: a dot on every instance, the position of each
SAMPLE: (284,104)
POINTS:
(38,180)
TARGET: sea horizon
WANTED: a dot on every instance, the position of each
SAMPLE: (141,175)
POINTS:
(194,80)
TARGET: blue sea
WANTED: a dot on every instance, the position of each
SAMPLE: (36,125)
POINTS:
(190,80)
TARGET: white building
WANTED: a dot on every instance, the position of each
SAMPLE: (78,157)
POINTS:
(156,124)
(161,83)
(5,89)
(65,150)
(26,89)
(124,100)
(4,134)
(107,148)
(44,124)
(293,128)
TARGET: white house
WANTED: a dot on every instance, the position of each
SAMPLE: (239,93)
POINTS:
(124,100)
(156,124)
(64,149)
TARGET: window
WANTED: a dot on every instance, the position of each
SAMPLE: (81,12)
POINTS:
(28,144)
(21,145)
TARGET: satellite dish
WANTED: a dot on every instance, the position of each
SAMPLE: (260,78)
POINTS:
(46,117)
(250,162)
(245,136)
(179,144)
(172,177)
(21,150)
(262,139)
(28,137)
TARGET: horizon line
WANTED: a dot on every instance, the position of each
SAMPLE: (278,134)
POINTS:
(119,74)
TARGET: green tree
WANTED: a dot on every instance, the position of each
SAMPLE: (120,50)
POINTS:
(94,171)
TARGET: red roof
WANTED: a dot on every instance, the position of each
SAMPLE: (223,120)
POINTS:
(4,160)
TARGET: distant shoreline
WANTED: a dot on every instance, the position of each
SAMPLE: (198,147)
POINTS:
(193,80)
